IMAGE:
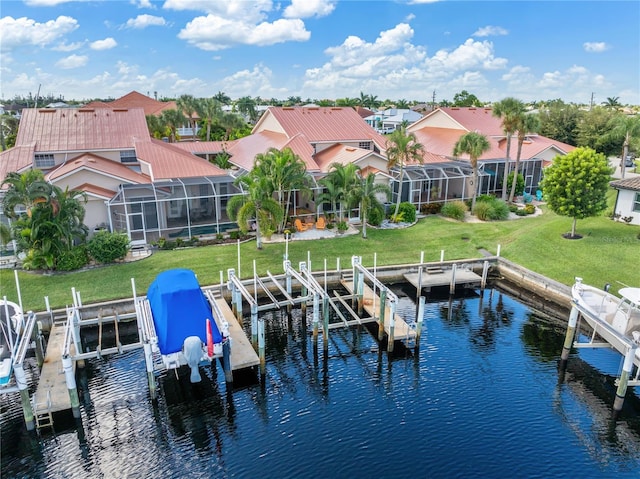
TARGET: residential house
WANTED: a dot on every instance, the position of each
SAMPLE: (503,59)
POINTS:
(391,119)
(133,183)
(440,130)
(627,203)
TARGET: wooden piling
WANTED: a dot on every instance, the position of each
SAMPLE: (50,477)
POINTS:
(226,361)
(392,326)
(452,284)
(325,325)
(383,303)
(568,339)
(419,288)
(151,378)
(485,271)
(23,386)
(261,350)
(419,320)
(254,326)
(70,377)
(627,368)
(316,318)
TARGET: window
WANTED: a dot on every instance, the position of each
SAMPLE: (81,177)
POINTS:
(44,160)
(636,202)
(365,145)
(128,156)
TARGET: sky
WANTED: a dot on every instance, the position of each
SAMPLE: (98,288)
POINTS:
(577,51)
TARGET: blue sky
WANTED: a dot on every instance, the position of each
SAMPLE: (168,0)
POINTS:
(394,49)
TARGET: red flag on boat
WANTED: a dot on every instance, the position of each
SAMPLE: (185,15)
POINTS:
(209,339)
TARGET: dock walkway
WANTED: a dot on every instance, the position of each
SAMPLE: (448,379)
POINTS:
(371,304)
(52,394)
(434,276)
(242,353)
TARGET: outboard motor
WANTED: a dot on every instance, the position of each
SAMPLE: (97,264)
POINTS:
(192,351)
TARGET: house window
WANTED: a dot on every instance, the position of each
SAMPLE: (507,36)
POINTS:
(636,202)
(128,156)
(365,145)
(44,160)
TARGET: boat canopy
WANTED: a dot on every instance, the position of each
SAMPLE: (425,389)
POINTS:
(180,309)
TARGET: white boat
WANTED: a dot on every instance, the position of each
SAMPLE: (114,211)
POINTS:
(614,319)
(11,322)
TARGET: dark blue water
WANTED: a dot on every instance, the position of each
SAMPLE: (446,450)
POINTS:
(482,398)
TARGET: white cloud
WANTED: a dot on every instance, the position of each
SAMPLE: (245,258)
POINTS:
(490,31)
(15,32)
(595,47)
(72,61)
(471,54)
(143,21)
(68,47)
(45,3)
(253,82)
(309,8)
(216,33)
(106,44)
(143,4)
(241,10)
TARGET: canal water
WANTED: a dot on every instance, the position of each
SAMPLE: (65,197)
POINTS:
(481,398)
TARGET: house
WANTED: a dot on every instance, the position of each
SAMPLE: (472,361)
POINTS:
(150,106)
(391,119)
(133,183)
(441,129)
(627,203)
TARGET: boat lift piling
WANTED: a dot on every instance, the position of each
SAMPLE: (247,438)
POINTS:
(419,319)
(623,381)
(568,339)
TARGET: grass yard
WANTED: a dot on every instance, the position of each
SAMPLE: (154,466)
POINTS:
(608,252)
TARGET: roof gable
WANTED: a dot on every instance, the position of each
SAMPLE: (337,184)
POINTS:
(89,161)
(135,99)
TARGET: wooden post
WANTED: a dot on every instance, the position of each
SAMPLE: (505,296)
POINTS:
(316,318)
(392,325)
(442,256)
(419,320)
(627,367)
(485,270)
(287,267)
(419,290)
(27,410)
(254,325)
(383,305)
(226,360)
(325,325)
(452,285)
(69,375)
(261,350)
(151,379)
(40,352)
(498,253)
(568,338)
(360,297)
(356,275)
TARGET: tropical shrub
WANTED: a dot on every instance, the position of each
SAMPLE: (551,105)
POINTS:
(455,210)
(431,208)
(519,183)
(408,212)
(500,210)
(375,217)
(529,209)
(489,208)
(72,259)
(483,210)
(106,247)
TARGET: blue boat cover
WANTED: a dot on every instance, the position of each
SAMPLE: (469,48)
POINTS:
(180,309)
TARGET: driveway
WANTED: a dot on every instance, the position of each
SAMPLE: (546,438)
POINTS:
(628,172)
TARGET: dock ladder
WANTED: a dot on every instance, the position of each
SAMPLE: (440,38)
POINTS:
(42,411)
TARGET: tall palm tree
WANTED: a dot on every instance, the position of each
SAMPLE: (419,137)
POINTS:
(339,182)
(402,104)
(627,128)
(257,205)
(209,111)
(527,123)
(473,144)
(27,189)
(612,102)
(247,106)
(173,119)
(509,110)
(285,173)
(365,194)
(222,98)
(403,148)
(188,105)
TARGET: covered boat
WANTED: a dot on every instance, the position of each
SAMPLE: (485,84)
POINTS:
(185,328)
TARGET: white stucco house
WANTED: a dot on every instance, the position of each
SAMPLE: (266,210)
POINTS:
(628,199)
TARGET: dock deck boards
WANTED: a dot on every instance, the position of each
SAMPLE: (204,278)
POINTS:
(443,278)
(242,353)
(402,331)
(52,377)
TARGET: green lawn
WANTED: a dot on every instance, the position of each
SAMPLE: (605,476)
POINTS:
(608,252)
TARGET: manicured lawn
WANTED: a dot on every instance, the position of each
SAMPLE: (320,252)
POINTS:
(608,252)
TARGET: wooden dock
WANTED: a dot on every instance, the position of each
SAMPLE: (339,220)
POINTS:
(434,276)
(371,304)
(242,353)
(52,394)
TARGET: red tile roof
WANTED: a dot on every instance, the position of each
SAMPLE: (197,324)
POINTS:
(81,129)
(136,100)
(98,164)
(627,184)
(167,161)
(321,124)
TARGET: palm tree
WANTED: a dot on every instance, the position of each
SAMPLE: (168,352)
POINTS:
(473,144)
(27,189)
(8,130)
(222,98)
(188,105)
(209,111)
(339,182)
(509,110)
(612,102)
(247,106)
(626,128)
(402,104)
(173,119)
(257,205)
(527,123)
(365,193)
(68,212)
(403,148)
(285,173)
